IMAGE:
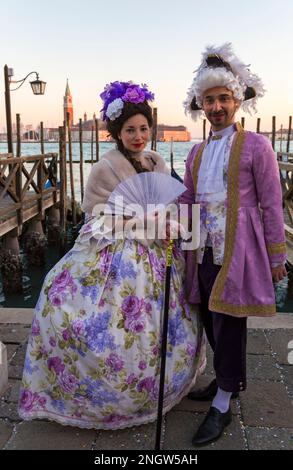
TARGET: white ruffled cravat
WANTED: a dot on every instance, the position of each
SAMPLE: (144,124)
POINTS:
(211,174)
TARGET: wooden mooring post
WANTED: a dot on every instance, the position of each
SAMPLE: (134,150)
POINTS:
(97,139)
(42,137)
(289,134)
(243,122)
(63,187)
(155,129)
(18,136)
(81,160)
(92,146)
(73,205)
(204,126)
(258,126)
(274,132)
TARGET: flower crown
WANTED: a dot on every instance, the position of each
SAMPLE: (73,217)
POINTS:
(116,94)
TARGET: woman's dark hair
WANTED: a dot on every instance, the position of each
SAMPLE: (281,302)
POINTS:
(114,127)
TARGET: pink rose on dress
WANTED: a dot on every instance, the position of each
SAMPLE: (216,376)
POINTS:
(67,382)
(114,362)
(56,364)
(142,365)
(66,335)
(136,325)
(78,327)
(27,399)
(131,306)
(62,279)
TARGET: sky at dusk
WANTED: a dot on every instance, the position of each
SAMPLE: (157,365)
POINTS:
(93,42)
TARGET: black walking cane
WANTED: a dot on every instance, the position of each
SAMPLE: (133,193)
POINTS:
(164,344)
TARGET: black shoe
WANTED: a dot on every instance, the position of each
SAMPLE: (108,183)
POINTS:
(207,393)
(212,427)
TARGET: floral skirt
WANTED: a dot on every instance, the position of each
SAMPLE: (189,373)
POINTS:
(93,357)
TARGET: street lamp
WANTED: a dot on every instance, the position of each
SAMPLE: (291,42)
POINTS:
(38,87)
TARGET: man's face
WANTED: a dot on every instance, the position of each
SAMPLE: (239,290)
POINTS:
(220,107)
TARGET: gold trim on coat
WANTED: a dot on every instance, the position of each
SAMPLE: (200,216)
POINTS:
(276,248)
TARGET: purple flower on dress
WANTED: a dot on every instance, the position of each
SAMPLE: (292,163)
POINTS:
(56,364)
(159,266)
(27,399)
(96,332)
(148,307)
(141,249)
(77,327)
(131,379)
(62,280)
(179,380)
(142,365)
(131,306)
(135,325)
(56,298)
(155,350)
(114,362)
(148,384)
(52,341)
(60,285)
(67,381)
(105,261)
(66,335)
(35,327)
(177,333)
(42,401)
(44,351)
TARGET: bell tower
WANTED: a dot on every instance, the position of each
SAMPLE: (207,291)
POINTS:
(67,105)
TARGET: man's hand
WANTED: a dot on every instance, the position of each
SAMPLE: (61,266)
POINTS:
(278,273)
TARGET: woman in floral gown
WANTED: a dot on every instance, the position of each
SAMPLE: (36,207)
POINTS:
(93,357)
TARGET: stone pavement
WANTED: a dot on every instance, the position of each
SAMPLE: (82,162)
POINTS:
(262,416)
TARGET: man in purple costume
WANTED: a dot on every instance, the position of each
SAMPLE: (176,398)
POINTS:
(234,177)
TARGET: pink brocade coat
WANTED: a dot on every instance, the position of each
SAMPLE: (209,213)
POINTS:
(254,236)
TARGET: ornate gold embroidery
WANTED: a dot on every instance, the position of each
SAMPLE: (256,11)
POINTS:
(276,248)
(242,310)
(196,165)
(233,196)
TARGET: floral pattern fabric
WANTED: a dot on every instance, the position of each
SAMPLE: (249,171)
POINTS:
(93,357)
(213,212)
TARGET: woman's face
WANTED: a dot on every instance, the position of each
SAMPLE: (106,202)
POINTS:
(135,133)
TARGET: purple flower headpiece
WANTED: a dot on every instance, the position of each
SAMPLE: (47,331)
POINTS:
(116,94)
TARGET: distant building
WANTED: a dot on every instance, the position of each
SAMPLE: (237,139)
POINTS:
(67,105)
(177,133)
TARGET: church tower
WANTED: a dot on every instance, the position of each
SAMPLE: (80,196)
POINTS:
(67,105)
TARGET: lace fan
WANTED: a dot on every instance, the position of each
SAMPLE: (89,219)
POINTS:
(146,190)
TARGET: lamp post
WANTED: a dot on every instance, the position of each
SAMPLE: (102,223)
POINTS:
(38,87)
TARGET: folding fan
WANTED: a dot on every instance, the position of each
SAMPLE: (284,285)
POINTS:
(144,190)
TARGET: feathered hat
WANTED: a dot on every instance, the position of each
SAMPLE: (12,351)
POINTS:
(220,67)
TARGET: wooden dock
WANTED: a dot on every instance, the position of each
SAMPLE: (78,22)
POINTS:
(28,186)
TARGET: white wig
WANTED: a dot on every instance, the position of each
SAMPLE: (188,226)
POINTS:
(220,67)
